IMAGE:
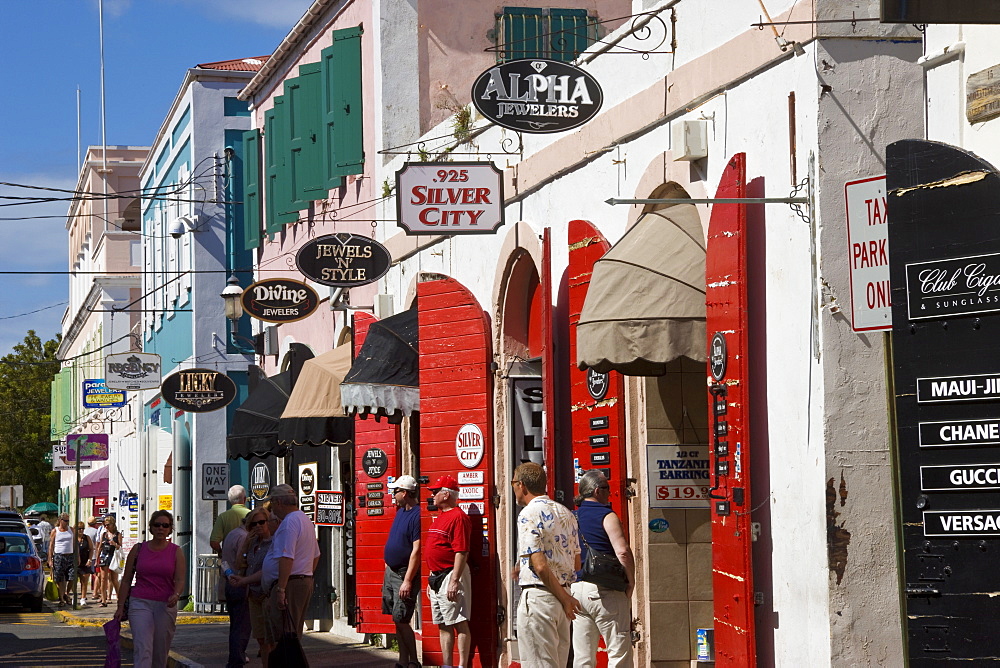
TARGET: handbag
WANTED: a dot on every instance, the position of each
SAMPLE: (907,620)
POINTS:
(288,653)
(603,569)
(51,590)
(112,634)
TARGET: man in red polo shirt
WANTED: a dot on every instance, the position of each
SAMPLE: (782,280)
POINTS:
(448,581)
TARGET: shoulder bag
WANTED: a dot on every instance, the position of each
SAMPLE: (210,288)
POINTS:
(603,569)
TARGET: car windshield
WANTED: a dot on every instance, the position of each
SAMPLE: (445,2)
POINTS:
(7,525)
(15,545)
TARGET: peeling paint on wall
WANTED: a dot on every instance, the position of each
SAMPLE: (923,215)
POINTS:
(838,538)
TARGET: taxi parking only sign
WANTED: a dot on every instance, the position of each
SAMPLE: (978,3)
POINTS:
(214,482)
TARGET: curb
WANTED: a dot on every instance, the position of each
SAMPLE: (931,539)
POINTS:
(72,619)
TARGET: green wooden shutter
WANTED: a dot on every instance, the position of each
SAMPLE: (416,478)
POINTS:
(251,189)
(343,129)
(285,209)
(304,114)
(570,33)
(522,27)
(271,158)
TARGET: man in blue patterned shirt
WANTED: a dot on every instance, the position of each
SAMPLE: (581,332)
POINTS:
(548,548)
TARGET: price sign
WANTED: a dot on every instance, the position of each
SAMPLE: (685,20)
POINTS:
(329,508)
(679,476)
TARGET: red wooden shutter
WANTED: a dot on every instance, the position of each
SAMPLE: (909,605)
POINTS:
(371,531)
(456,389)
(598,425)
(726,301)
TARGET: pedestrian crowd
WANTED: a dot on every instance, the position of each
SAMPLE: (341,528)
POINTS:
(575,572)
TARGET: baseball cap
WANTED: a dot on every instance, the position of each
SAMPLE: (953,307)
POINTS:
(407,482)
(280,491)
(445,482)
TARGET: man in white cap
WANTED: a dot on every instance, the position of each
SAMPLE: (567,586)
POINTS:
(401,584)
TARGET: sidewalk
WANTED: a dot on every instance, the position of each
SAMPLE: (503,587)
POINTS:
(203,640)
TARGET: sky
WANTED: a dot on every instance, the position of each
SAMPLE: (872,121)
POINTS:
(51,48)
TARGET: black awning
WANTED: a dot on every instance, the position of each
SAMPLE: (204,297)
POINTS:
(384,380)
(255,423)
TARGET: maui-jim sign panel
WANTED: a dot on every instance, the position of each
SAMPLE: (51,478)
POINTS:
(449,197)
(343,260)
(279,300)
(537,95)
(198,390)
(132,371)
(956,286)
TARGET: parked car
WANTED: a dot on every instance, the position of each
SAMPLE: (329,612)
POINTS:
(36,535)
(22,581)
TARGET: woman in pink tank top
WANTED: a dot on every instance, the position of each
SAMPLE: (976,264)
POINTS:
(150,603)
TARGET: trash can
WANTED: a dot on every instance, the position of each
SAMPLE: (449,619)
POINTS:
(206,595)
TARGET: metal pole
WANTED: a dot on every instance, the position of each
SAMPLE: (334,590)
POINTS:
(76,545)
(712,200)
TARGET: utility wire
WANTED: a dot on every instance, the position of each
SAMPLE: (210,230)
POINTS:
(21,315)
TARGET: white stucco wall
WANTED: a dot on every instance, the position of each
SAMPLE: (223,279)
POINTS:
(825,414)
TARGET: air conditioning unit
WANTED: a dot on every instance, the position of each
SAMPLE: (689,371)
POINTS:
(270,335)
(689,140)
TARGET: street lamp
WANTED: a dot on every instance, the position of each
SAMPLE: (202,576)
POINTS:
(232,296)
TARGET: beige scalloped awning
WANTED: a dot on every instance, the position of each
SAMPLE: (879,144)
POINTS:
(315,413)
(646,302)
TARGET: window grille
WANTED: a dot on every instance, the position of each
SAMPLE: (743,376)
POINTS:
(558,34)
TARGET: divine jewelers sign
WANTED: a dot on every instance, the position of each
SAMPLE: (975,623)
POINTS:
(449,197)
(537,95)
(343,260)
(198,390)
(957,286)
(132,371)
(279,300)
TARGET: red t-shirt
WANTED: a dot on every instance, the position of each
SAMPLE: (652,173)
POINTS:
(450,532)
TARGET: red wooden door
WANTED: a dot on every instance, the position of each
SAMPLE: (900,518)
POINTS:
(597,401)
(726,302)
(373,520)
(456,389)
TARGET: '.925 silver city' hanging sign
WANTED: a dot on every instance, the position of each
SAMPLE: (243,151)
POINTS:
(537,95)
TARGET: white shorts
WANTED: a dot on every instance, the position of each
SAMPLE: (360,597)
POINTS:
(449,613)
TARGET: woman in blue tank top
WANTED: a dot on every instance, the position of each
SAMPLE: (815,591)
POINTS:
(606,612)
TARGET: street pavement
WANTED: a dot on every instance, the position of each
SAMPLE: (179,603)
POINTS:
(203,640)
(29,640)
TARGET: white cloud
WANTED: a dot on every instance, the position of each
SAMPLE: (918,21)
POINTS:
(271,13)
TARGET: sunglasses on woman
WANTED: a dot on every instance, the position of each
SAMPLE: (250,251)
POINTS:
(161,525)
(256,524)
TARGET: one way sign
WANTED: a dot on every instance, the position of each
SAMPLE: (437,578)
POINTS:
(214,482)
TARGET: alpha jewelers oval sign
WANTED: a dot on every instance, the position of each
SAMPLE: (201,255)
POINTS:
(343,260)
(537,95)
(279,300)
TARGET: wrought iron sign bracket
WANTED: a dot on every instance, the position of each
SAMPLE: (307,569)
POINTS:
(794,200)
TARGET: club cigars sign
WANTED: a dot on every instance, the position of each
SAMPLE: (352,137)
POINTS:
(198,390)
(537,95)
(956,286)
(449,197)
(279,300)
(343,260)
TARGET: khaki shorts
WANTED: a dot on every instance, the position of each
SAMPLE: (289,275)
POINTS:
(449,613)
(258,622)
